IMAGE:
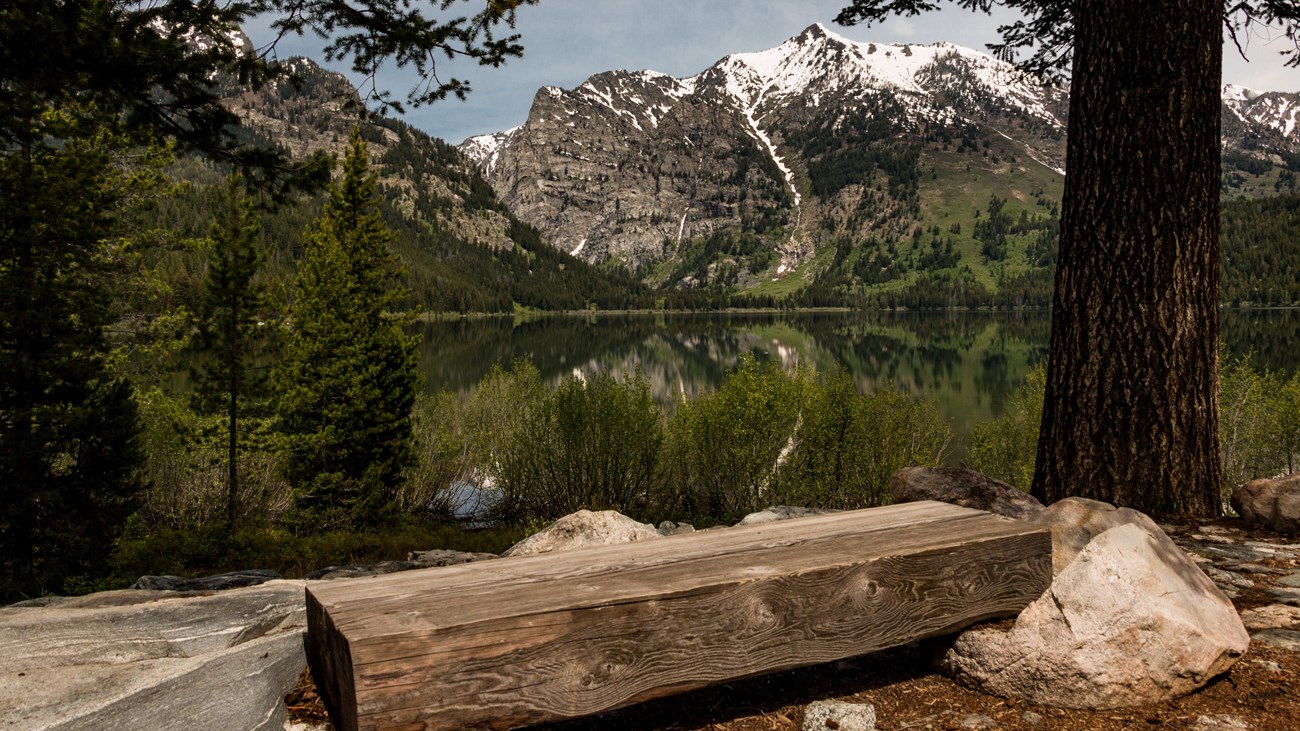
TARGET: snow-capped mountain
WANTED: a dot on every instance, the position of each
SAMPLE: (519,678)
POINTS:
(749,168)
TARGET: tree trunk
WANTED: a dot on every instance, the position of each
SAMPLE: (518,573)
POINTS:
(1131,410)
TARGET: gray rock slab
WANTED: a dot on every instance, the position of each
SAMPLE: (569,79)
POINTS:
(1254,568)
(184,662)
(1286,595)
(1271,616)
(1223,578)
(1292,580)
(1287,639)
(443,557)
(1238,553)
(670,528)
(839,715)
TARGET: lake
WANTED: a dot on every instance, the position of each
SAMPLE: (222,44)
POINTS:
(971,361)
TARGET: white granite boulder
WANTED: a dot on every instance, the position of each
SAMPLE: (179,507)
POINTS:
(1075,521)
(1130,621)
(967,488)
(1274,504)
(584,528)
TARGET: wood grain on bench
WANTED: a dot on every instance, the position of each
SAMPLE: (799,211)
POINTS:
(515,641)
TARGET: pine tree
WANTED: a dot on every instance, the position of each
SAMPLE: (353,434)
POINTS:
(348,379)
(229,329)
(70,455)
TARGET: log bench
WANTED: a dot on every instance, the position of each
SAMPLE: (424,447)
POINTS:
(517,641)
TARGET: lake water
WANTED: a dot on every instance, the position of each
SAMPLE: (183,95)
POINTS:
(971,361)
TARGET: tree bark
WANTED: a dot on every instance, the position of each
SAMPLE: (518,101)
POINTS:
(1131,409)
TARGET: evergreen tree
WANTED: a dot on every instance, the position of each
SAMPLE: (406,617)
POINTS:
(70,456)
(348,379)
(229,329)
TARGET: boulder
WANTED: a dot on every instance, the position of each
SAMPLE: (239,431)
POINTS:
(963,487)
(1075,521)
(584,528)
(781,512)
(1271,503)
(1130,621)
(171,662)
(824,715)
(670,528)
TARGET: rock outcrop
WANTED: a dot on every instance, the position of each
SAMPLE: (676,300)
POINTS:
(145,659)
(1130,620)
(584,528)
(1274,504)
(967,488)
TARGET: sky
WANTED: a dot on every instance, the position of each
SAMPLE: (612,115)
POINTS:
(566,41)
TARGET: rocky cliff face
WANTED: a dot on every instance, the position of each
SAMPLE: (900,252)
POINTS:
(761,161)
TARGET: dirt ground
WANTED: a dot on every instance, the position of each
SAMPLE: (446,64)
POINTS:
(1262,691)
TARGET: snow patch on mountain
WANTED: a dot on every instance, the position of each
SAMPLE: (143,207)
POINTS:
(485,150)
(819,61)
(1276,110)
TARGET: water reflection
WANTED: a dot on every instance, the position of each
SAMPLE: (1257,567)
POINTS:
(971,361)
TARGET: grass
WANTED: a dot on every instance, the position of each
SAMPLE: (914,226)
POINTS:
(212,550)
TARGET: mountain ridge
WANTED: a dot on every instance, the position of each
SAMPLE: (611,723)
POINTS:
(760,164)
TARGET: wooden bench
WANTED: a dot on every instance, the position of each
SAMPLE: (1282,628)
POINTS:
(516,641)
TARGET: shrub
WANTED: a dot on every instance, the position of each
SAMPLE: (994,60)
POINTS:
(590,444)
(431,488)
(1006,448)
(725,448)
(1259,422)
(849,444)
(186,467)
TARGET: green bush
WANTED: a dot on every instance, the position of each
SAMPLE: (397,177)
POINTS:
(442,459)
(186,467)
(725,448)
(1006,448)
(849,444)
(590,444)
(1259,422)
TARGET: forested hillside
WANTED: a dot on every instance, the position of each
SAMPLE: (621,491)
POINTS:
(1261,251)
(462,249)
